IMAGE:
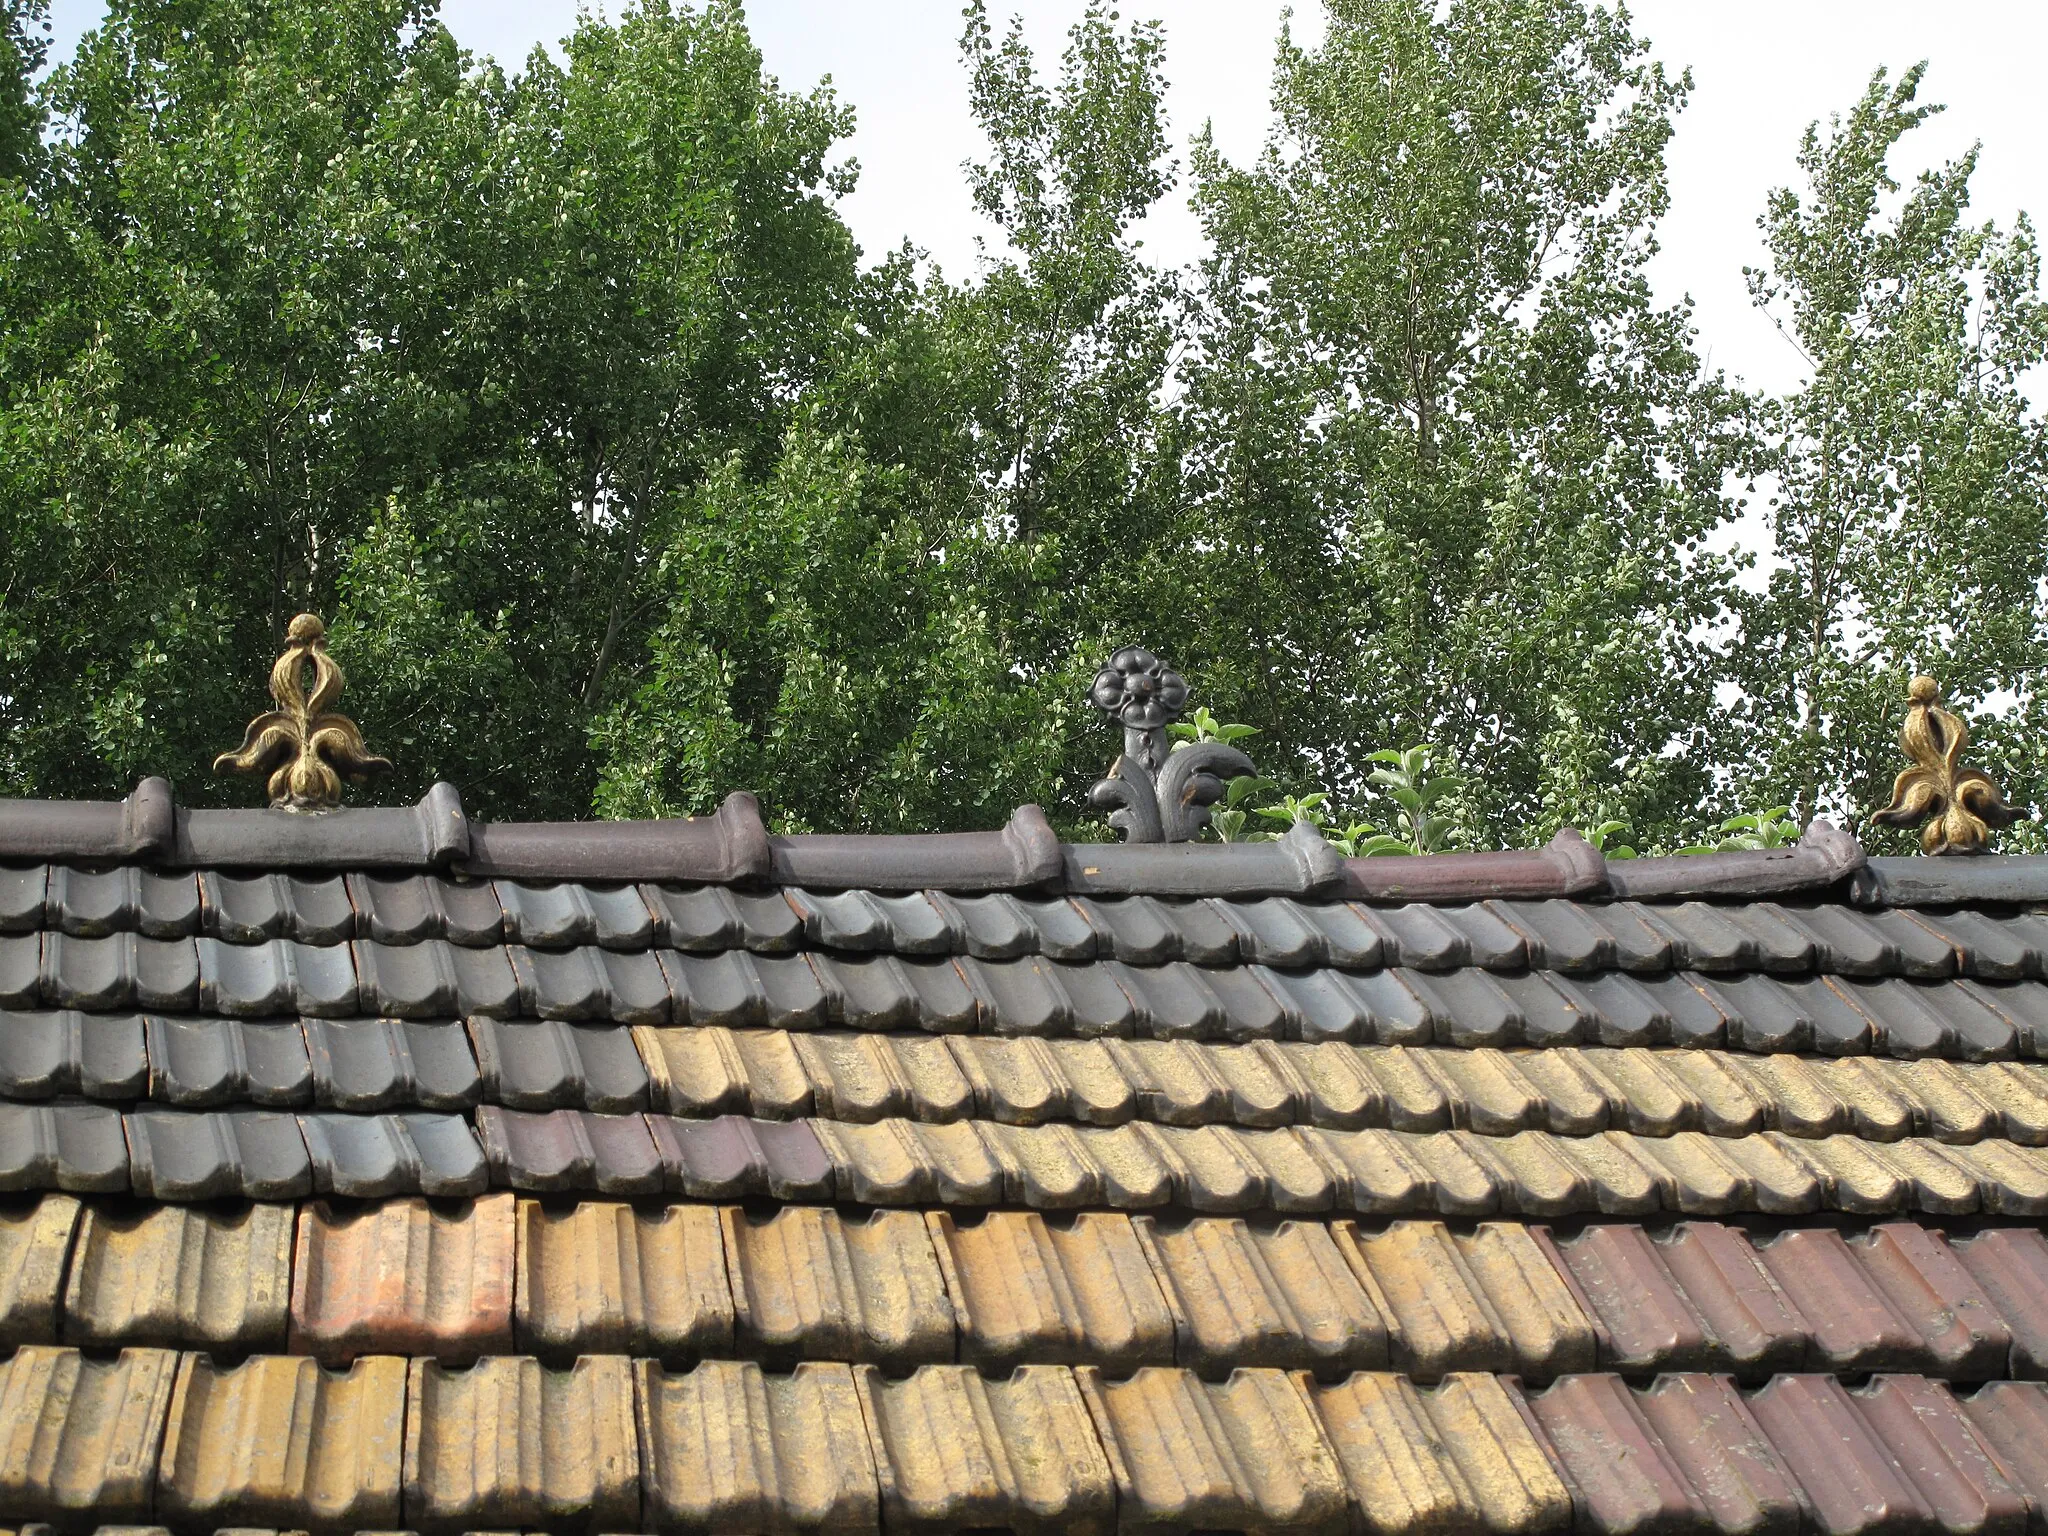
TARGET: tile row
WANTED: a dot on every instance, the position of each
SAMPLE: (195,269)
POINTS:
(370,1065)
(898,1289)
(1962,1018)
(1143,930)
(612,1444)
(178,1155)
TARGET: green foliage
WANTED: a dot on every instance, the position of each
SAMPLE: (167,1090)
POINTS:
(1607,835)
(626,481)
(1203,726)
(1435,435)
(1751,830)
(1910,521)
(24,44)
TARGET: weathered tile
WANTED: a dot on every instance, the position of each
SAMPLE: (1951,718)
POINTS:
(220,1155)
(404,1278)
(76,1147)
(1459,1457)
(64,1052)
(726,1447)
(604,1277)
(287,1442)
(509,1442)
(181,1277)
(35,1241)
(1243,1296)
(1075,1291)
(79,1435)
(809,1283)
(1245,1454)
(954,1450)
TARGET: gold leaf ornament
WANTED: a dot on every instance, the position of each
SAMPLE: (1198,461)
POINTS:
(303,745)
(1955,807)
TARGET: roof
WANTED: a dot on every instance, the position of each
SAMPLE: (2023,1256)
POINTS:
(381,1169)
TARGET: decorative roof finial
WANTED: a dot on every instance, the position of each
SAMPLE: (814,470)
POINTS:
(1959,805)
(1157,795)
(305,748)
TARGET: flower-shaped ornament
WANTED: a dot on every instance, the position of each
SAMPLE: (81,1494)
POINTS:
(1140,690)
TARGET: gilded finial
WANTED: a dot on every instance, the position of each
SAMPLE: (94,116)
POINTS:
(1959,805)
(305,748)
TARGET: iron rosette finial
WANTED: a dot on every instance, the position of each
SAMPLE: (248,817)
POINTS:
(1956,808)
(305,747)
(1153,794)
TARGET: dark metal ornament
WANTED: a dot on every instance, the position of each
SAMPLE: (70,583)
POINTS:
(1153,793)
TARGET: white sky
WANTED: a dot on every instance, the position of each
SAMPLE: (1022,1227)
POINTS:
(1762,69)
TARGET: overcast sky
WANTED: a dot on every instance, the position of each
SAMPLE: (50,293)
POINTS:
(1762,68)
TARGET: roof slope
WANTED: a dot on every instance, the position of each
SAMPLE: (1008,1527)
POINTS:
(378,1169)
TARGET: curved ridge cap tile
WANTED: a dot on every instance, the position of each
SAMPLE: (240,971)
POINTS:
(431,834)
(1023,855)
(729,846)
(1566,866)
(140,827)
(1919,881)
(1823,856)
(1299,864)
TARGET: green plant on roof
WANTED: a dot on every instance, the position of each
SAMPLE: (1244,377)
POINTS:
(1227,820)
(1414,781)
(1773,828)
(1605,837)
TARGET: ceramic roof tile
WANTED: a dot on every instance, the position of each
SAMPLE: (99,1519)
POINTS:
(247,909)
(2011,1419)
(236,1155)
(511,1442)
(92,904)
(77,1147)
(2010,1264)
(870,1077)
(568,1149)
(732,1157)
(79,1436)
(877,992)
(35,1242)
(123,971)
(284,1440)
(552,1065)
(202,1063)
(553,916)
(274,977)
(953,1450)
(712,1070)
(406,909)
(20,969)
(807,1283)
(371,1064)
(1440,1317)
(1283,1297)
(709,918)
(604,1277)
(1074,1291)
(1456,1457)
(1246,1453)
(567,984)
(63,1053)
(22,889)
(179,1277)
(404,1277)
(1850,1478)
(850,920)
(435,980)
(992,927)
(727,1447)
(366,1157)
(1628,1476)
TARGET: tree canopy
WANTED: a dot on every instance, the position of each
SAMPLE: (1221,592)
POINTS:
(627,479)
